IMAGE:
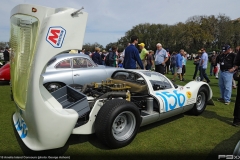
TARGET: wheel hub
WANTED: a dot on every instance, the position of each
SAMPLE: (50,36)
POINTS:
(123,126)
(200,102)
(120,124)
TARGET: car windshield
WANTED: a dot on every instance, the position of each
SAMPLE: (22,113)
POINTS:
(129,76)
(157,79)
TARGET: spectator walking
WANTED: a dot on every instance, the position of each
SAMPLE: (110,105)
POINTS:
(161,58)
(168,62)
(112,56)
(227,67)
(6,55)
(149,60)
(184,63)
(179,65)
(96,57)
(217,66)
(236,113)
(173,63)
(103,57)
(213,62)
(203,65)
(196,63)
(131,55)
(143,54)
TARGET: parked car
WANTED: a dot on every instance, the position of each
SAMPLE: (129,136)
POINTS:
(118,106)
(69,69)
(5,72)
(66,69)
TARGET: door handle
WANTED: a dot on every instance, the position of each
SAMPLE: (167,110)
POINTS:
(76,75)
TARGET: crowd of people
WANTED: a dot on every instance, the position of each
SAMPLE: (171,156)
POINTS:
(222,65)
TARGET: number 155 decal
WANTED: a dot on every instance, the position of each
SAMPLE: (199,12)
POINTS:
(172,100)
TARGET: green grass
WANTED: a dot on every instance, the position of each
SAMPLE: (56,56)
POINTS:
(180,137)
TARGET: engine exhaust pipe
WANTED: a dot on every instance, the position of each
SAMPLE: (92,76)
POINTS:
(150,105)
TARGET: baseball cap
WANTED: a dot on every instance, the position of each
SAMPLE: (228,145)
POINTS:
(226,47)
(141,44)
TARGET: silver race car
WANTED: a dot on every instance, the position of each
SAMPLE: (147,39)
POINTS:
(78,69)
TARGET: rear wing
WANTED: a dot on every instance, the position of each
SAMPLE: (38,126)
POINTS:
(38,34)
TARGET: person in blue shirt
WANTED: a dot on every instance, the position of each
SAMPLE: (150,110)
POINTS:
(173,62)
(179,65)
(131,55)
(203,65)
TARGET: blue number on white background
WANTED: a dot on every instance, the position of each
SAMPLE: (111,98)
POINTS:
(169,95)
(177,99)
(21,126)
(165,101)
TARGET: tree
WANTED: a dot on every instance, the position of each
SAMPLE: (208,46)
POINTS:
(210,32)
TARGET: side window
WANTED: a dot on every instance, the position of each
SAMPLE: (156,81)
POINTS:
(80,62)
(64,64)
(90,64)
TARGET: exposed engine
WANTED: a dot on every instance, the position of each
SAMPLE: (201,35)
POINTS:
(135,92)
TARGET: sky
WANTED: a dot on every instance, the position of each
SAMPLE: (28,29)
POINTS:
(109,20)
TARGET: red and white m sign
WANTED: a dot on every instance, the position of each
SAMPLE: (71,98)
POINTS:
(55,36)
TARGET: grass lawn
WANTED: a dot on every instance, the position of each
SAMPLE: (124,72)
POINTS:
(180,137)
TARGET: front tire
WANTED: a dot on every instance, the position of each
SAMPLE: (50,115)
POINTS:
(201,101)
(117,123)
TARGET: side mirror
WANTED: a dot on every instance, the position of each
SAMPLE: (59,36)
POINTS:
(158,87)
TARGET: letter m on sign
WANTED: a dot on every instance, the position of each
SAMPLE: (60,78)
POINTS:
(55,36)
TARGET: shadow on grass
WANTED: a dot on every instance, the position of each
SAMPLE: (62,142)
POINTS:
(225,147)
(157,124)
(28,152)
(78,139)
(211,115)
(73,139)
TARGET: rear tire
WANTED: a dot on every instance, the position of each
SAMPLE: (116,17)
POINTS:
(117,123)
(201,101)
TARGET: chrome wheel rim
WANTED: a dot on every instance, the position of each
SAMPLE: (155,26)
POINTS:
(201,99)
(123,126)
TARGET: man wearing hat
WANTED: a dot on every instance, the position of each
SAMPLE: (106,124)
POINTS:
(227,67)
(143,53)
